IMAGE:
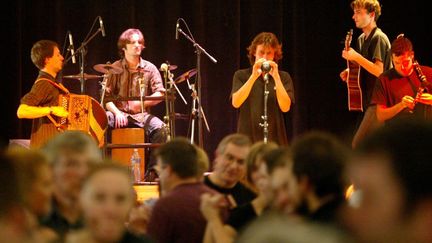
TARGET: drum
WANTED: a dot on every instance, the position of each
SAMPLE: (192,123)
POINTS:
(128,136)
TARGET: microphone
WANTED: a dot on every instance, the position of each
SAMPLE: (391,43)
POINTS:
(71,47)
(177,28)
(164,67)
(101,26)
(265,67)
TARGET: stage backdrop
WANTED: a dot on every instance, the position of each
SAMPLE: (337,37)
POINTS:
(312,33)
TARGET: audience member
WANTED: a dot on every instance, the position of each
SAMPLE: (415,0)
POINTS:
(106,199)
(239,217)
(176,216)
(230,168)
(71,154)
(391,173)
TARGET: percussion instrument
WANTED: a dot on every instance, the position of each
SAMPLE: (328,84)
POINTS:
(107,68)
(85,76)
(185,76)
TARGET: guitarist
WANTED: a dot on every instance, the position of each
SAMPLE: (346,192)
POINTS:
(42,100)
(372,54)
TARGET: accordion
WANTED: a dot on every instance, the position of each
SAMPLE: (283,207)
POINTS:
(85,114)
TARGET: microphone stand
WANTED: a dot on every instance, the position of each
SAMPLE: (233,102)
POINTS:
(142,86)
(198,51)
(194,111)
(264,124)
(103,85)
(82,50)
(167,119)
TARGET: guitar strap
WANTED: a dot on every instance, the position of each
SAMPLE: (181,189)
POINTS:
(57,85)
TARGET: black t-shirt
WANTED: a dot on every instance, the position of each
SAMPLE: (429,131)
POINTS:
(239,192)
(375,47)
(251,111)
(241,216)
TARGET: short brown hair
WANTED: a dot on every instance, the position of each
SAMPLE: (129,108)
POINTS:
(401,45)
(42,50)
(266,39)
(369,5)
(258,150)
(181,156)
(125,39)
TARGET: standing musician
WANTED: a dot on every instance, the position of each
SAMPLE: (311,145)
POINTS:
(137,74)
(43,98)
(248,91)
(373,56)
(401,91)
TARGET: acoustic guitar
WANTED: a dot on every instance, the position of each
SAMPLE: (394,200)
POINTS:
(355,100)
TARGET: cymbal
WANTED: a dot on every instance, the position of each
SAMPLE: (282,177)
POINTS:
(85,75)
(185,75)
(107,68)
(171,67)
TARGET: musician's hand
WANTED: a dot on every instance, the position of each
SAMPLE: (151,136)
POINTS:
(426,99)
(256,70)
(274,71)
(408,102)
(59,111)
(121,120)
(350,55)
(344,75)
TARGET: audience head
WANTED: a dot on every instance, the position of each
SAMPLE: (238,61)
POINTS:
(71,154)
(177,160)
(106,199)
(230,164)
(276,166)
(14,225)
(391,173)
(319,159)
(35,179)
(254,159)
(203,162)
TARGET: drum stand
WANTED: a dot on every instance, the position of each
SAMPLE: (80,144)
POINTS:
(264,124)
(195,111)
(169,105)
(103,85)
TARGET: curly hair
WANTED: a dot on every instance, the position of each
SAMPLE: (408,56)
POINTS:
(266,39)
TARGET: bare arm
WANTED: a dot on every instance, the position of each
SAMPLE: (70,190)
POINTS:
(384,113)
(282,96)
(376,68)
(241,94)
(31,112)
(120,118)
(216,231)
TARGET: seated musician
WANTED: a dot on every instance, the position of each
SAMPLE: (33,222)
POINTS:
(42,100)
(131,113)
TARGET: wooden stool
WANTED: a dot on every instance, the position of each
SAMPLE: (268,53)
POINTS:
(126,136)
